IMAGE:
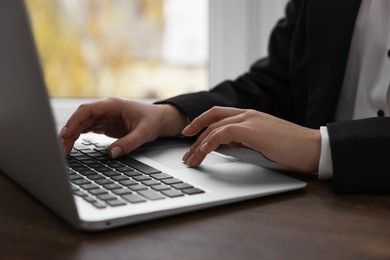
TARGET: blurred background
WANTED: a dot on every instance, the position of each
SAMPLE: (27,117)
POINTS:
(128,48)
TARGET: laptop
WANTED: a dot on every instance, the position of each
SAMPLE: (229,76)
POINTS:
(88,189)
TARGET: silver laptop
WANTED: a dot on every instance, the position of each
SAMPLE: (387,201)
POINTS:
(88,189)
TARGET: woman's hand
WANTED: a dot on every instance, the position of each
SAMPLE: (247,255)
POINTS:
(132,122)
(286,143)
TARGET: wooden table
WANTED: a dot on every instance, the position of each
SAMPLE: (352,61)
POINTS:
(314,223)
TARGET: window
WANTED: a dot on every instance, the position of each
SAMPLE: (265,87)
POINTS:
(148,48)
(239,33)
(127,48)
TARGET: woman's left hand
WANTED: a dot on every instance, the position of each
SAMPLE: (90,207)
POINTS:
(291,145)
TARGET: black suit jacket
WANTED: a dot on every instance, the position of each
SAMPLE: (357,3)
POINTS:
(300,81)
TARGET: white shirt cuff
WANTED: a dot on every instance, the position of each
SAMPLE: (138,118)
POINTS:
(325,168)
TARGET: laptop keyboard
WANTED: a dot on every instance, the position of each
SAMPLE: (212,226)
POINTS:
(106,182)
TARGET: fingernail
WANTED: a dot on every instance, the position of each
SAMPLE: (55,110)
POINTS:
(116,151)
(185,156)
(185,130)
(189,161)
(63,131)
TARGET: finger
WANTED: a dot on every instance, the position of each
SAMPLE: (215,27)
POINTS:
(197,156)
(210,116)
(130,142)
(223,135)
(67,146)
(195,145)
(82,120)
(85,115)
(226,121)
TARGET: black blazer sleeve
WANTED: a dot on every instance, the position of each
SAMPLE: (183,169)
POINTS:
(361,155)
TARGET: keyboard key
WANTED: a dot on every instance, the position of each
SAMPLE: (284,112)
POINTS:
(137,187)
(133,198)
(192,191)
(151,194)
(95,165)
(82,157)
(141,178)
(172,193)
(104,181)
(89,199)
(115,164)
(95,177)
(161,187)
(100,158)
(93,153)
(119,178)
(98,191)
(87,172)
(80,181)
(124,169)
(106,197)
(80,168)
(115,203)
(121,191)
(88,162)
(140,166)
(73,163)
(150,182)
(161,176)
(112,186)
(99,205)
(75,153)
(171,181)
(108,161)
(75,177)
(103,169)
(89,186)
(128,182)
(79,193)
(132,173)
(111,173)
(181,186)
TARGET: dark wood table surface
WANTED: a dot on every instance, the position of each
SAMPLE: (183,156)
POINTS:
(314,223)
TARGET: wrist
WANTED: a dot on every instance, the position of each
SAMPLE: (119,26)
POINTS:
(173,120)
(315,140)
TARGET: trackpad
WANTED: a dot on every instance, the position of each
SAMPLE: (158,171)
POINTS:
(171,157)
